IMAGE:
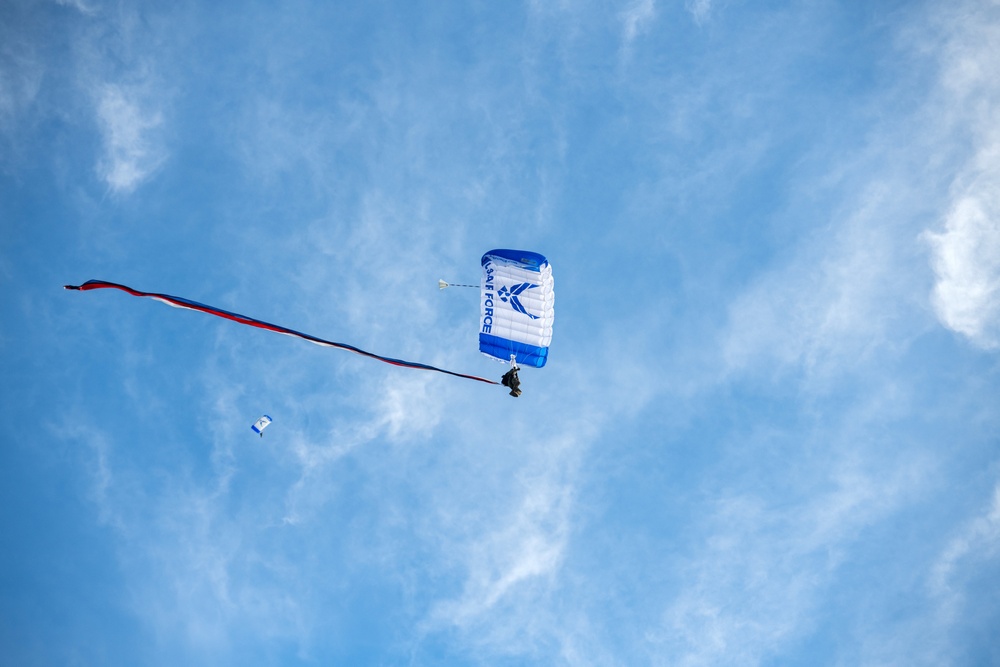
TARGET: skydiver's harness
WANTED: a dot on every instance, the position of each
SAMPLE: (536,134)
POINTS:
(511,380)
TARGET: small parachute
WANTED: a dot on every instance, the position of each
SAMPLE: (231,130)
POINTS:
(517,307)
(260,425)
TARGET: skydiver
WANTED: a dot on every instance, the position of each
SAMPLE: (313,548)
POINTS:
(511,380)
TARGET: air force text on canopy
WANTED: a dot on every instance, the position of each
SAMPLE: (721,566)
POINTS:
(488,298)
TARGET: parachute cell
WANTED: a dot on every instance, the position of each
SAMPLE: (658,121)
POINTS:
(517,306)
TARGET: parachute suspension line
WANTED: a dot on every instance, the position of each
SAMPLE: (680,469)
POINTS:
(442,284)
(180,302)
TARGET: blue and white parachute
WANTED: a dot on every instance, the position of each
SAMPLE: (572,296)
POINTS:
(260,425)
(517,307)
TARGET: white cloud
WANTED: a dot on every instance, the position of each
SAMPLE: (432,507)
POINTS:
(132,150)
(21,77)
(20,80)
(966,255)
(701,10)
(195,573)
(754,586)
(978,540)
(967,263)
(98,467)
(832,305)
(78,5)
(408,406)
(636,18)
(506,537)
(526,547)
(849,290)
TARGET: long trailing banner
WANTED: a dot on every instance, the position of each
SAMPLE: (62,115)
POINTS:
(180,302)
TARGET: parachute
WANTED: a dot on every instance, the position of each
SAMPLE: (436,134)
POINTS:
(516,307)
(260,425)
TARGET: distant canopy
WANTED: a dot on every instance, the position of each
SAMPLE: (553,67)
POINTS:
(261,424)
(517,306)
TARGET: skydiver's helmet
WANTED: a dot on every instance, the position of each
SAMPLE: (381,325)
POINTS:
(511,380)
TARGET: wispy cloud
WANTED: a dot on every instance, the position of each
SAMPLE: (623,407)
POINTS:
(525,547)
(78,5)
(132,148)
(977,541)
(636,18)
(98,466)
(834,304)
(511,558)
(195,573)
(22,72)
(755,586)
(20,80)
(855,286)
(701,10)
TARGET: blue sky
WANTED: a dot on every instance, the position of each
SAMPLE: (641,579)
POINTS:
(769,429)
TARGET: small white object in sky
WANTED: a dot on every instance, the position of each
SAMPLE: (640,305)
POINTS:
(260,425)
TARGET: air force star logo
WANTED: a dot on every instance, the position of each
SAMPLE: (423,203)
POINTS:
(510,296)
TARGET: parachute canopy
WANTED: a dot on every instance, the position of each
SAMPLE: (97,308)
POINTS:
(516,306)
(260,425)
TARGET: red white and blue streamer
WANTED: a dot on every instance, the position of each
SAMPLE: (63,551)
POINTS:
(180,302)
